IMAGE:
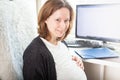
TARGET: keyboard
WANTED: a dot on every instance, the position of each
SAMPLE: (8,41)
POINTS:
(81,43)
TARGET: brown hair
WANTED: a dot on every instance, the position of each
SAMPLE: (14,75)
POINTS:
(47,10)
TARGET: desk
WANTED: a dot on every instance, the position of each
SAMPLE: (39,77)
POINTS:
(101,69)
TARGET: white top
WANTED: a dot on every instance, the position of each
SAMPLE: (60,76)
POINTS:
(66,68)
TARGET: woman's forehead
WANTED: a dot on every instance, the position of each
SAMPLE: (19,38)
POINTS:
(62,12)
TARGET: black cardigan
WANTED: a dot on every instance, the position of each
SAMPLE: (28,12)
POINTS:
(38,62)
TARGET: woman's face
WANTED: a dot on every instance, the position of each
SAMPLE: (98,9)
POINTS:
(58,22)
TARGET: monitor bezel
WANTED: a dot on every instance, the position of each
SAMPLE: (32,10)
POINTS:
(104,39)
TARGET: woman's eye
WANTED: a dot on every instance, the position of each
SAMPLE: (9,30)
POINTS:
(57,19)
(66,21)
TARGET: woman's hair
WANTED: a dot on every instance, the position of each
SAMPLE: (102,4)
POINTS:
(47,10)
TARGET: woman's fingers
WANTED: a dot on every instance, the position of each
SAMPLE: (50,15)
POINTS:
(78,61)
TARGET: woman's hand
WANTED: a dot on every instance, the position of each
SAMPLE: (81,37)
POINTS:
(78,61)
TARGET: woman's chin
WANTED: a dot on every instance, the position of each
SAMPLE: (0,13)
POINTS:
(59,35)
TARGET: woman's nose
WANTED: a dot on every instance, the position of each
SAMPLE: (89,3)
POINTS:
(62,24)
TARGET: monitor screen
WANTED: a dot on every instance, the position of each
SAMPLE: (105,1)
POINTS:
(98,22)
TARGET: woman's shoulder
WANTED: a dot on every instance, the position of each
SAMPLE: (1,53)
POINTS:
(35,44)
(35,49)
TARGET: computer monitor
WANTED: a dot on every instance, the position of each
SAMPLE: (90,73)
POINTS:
(98,22)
